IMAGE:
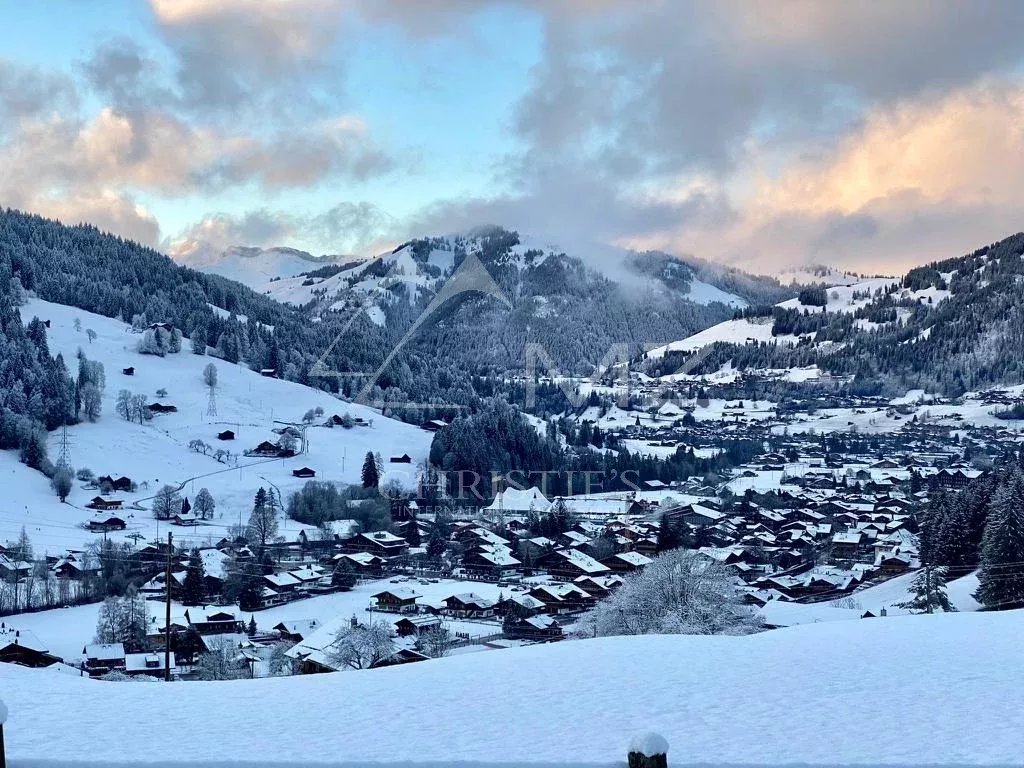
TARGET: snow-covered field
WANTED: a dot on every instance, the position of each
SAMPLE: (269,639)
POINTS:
(158,453)
(898,691)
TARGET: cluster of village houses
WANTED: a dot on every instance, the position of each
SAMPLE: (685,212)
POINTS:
(825,525)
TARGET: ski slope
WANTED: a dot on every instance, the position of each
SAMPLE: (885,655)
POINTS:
(157,453)
(899,691)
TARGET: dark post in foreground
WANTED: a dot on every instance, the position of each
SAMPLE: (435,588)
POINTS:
(3,717)
(647,750)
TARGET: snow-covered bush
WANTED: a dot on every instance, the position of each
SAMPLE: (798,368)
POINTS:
(680,592)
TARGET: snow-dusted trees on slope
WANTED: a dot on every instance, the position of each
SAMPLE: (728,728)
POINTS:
(361,647)
(123,620)
(680,592)
(166,502)
(263,520)
(929,592)
(204,504)
(1001,578)
(62,480)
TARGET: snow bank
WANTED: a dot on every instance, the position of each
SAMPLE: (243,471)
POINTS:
(649,744)
(893,691)
(3,712)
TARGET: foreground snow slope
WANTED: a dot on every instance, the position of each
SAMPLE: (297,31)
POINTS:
(893,691)
(158,453)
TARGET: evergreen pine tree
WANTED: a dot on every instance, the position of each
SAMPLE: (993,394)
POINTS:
(1001,578)
(929,590)
(668,535)
(193,588)
(371,475)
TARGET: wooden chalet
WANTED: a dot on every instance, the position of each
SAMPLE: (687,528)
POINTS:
(22,648)
(381,543)
(303,472)
(215,622)
(469,605)
(101,658)
(571,563)
(626,562)
(396,600)
(103,523)
(114,484)
(562,598)
(98,502)
(129,371)
(162,408)
(540,628)
(152,664)
(227,434)
(405,458)
(296,631)
(361,563)
(413,626)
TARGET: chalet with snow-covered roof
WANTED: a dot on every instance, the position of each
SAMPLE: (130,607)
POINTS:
(213,622)
(101,658)
(296,630)
(106,522)
(188,519)
(396,599)
(98,502)
(21,647)
(413,626)
(138,664)
(562,598)
(381,543)
(469,605)
(518,502)
(598,586)
(847,545)
(304,472)
(571,563)
(488,559)
(626,562)
(109,483)
(361,563)
(539,628)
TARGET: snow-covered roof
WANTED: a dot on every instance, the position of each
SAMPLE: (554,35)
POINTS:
(515,500)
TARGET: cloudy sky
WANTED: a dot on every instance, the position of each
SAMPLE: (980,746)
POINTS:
(869,135)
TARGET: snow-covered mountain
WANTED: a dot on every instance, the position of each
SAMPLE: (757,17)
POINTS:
(254,267)
(950,327)
(521,290)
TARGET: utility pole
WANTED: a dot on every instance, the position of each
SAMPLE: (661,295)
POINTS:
(928,588)
(167,617)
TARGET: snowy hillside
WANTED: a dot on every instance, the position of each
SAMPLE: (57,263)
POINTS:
(254,267)
(157,453)
(812,275)
(810,695)
(844,298)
